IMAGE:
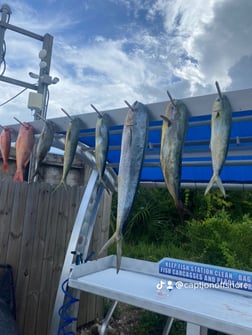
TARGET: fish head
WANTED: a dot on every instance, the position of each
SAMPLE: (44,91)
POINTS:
(176,111)
(217,107)
(50,125)
(5,131)
(27,125)
(220,106)
(105,118)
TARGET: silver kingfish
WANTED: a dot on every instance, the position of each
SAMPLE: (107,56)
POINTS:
(221,122)
(175,123)
(134,140)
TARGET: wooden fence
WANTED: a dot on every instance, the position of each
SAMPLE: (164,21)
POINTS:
(35,227)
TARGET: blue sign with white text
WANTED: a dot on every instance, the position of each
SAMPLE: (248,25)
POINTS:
(217,276)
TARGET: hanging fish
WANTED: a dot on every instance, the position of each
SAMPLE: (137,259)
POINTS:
(175,123)
(72,137)
(5,145)
(221,122)
(134,139)
(44,144)
(101,143)
(24,146)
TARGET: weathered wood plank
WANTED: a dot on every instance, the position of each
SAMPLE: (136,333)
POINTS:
(34,294)
(24,268)
(19,194)
(35,227)
(6,201)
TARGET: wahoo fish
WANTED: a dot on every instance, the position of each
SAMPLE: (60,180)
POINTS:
(221,122)
(134,139)
(44,144)
(24,145)
(72,137)
(175,123)
(101,144)
(5,145)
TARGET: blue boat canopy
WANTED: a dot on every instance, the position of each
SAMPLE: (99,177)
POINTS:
(196,160)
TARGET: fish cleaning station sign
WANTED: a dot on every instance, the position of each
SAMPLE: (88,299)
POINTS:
(216,277)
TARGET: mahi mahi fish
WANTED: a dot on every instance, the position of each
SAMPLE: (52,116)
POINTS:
(134,139)
(221,122)
(24,146)
(72,138)
(44,144)
(101,144)
(5,145)
(175,123)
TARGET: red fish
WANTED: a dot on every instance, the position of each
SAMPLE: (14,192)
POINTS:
(5,144)
(24,145)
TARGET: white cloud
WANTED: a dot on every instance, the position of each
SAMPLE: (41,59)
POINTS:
(213,34)
(185,47)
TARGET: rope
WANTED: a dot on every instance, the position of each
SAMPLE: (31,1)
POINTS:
(4,103)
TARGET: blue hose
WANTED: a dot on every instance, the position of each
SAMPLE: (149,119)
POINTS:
(63,311)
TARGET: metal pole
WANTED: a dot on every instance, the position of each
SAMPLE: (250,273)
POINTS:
(6,11)
(44,77)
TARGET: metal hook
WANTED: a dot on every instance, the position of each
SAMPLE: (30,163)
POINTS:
(99,114)
(130,107)
(41,117)
(20,122)
(68,115)
(171,99)
(218,89)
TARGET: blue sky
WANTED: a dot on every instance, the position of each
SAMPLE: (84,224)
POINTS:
(108,51)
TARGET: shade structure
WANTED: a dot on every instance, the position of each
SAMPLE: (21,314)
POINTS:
(196,158)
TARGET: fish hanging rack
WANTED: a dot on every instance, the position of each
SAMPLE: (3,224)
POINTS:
(196,151)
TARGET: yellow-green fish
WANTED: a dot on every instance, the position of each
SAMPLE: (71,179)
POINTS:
(44,144)
(72,138)
(175,123)
(221,122)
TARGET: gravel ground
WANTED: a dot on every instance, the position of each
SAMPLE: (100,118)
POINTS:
(123,322)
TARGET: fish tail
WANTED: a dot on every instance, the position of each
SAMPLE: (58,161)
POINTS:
(182,210)
(215,179)
(5,167)
(112,239)
(62,182)
(18,176)
(118,241)
(101,181)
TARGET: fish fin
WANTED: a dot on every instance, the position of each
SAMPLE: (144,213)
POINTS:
(165,118)
(18,176)
(131,134)
(108,243)
(5,167)
(118,254)
(215,179)
(220,185)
